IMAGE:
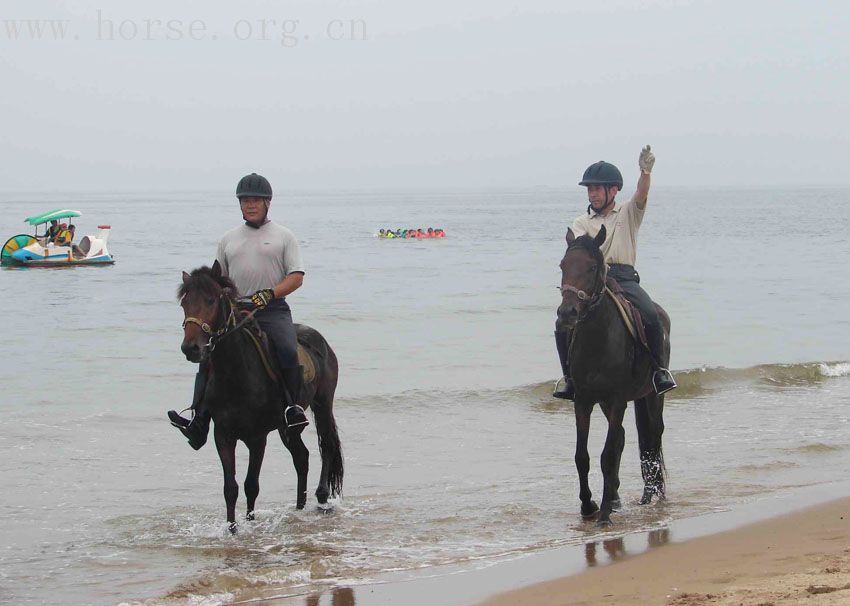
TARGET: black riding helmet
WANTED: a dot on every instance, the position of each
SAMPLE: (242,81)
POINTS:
(602,173)
(253,186)
(605,174)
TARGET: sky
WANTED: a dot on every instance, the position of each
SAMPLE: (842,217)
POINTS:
(190,95)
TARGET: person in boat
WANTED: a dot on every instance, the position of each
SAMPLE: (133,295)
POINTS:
(382,233)
(622,221)
(51,232)
(74,248)
(261,257)
(64,235)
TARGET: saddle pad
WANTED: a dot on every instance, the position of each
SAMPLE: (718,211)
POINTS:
(632,322)
(306,360)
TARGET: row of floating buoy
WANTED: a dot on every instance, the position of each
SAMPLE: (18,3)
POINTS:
(431,232)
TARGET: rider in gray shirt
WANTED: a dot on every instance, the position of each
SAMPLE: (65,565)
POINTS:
(264,261)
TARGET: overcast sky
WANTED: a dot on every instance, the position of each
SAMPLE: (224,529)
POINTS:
(404,94)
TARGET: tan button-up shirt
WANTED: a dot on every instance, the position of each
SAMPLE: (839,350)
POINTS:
(621,225)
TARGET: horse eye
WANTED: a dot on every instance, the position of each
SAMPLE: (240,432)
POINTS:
(592,269)
(210,301)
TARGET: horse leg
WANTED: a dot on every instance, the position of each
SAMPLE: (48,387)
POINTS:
(300,458)
(330,480)
(610,459)
(226,447)
(650,427)
(257,450)
(582,458)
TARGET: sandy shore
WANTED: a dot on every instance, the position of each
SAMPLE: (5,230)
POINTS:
(802,558)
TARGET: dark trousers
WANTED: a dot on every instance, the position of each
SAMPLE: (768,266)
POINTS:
(629,280)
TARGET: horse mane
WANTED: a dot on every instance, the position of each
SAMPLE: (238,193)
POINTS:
(587,243)
(201,280)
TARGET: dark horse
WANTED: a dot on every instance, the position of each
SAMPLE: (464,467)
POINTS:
(609,367)
(244,396)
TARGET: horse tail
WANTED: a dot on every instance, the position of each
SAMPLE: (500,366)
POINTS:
(327,368)
(329,444)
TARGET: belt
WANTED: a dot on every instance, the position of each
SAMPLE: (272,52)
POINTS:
(622,266)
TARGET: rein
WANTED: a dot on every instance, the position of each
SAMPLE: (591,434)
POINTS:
(230,326)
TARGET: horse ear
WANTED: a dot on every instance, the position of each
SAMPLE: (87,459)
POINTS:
(216,270)
(599,240)
(186,278)
(571,237)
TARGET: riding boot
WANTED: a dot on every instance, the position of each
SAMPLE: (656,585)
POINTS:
(662,378)
(196,429)
(565,389)
(293,414)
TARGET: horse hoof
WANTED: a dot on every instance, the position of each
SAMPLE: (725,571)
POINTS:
(249,516)
(300,504)
(606,523)
(232,528)
(589,509)
(616,505)
(322,497)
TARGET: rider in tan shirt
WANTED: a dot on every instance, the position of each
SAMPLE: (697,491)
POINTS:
(622,221)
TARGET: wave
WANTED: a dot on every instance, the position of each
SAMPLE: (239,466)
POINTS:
(693,383)
(816,448)
(698,381)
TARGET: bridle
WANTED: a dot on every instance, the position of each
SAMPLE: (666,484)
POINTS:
(230,326)
(593,299)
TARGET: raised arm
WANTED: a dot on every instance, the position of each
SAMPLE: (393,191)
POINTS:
(646,161)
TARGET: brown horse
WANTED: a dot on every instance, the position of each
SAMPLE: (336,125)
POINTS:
(243,395)
(609,368)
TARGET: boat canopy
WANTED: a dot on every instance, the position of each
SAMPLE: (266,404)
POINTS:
(51,216)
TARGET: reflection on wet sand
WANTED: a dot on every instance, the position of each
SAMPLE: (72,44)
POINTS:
(341,596)
(616,549)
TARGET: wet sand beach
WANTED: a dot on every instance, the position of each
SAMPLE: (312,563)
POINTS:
(800,558)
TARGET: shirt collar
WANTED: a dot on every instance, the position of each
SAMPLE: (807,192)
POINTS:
(615,209)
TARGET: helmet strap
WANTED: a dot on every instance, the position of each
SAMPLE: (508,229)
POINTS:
(606,205)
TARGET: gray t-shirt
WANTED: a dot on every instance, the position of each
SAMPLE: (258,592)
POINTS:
(259,258)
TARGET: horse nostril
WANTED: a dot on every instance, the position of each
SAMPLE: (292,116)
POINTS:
(568,312)
(188,348)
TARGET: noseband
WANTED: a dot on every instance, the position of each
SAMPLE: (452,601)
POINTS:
(230,326)
(594,298)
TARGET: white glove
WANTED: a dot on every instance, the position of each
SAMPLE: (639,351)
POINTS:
(646,160)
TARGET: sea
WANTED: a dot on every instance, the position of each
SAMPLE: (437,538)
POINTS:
(456,455)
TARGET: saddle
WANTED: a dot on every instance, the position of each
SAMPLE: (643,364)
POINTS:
(261,342)
(628,312)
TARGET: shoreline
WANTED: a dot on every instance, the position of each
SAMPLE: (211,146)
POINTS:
(760,541)
(795,558)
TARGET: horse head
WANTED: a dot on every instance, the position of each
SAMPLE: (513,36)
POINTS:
(205,298)
(583,274)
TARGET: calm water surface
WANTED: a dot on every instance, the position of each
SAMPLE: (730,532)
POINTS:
(455,453)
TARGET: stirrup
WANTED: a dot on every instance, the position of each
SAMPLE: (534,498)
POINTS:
(298,409)
(178,420)
(566,393)
(667,382)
